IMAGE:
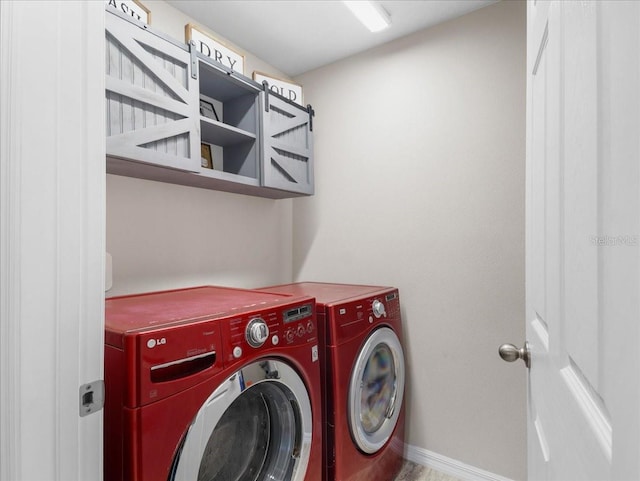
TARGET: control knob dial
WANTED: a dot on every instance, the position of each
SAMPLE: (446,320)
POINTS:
(378,309)
(257,332)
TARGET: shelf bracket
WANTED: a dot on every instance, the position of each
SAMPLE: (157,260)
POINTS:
(311,114)
(194,59)
(265,87)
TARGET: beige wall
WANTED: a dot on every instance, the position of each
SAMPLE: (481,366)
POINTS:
(420,153)
(164,236)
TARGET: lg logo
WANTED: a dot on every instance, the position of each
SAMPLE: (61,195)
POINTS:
(151,343)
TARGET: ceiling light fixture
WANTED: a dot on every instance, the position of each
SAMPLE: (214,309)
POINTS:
(371,14)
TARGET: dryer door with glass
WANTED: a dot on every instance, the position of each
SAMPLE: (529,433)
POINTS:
(256,426)
(376,390)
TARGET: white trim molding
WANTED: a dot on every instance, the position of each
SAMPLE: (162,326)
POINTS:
(448,466)
(52,237)
(9,257)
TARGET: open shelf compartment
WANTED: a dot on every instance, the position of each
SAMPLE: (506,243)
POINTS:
(233,135)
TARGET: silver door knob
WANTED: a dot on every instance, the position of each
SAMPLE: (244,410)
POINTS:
(511,353)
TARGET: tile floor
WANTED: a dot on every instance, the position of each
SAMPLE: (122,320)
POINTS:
(414,472)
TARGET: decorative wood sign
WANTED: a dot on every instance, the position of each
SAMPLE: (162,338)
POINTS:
(285,88)
(212,48)
(132,8)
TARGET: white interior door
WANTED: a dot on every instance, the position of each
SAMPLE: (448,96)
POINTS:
(583,205)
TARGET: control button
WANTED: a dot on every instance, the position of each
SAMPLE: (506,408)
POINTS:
(289,335)
(237,352)
(301,330)
(257,332)
(275,340)
(378,309)
(310,327)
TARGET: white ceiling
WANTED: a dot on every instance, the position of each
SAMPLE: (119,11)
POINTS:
(297,36)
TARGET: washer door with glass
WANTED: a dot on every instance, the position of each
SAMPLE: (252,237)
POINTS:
(376,390)
(256,426)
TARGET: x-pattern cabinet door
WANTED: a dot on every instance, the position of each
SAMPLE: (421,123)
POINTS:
(287,142)
(150,98)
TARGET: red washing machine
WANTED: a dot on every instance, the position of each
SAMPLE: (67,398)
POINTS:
(364,374)
(213,384)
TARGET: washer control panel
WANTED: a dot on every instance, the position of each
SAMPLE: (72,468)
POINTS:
(353,317)
(270,329)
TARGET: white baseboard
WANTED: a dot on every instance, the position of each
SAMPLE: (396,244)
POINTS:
(448,466)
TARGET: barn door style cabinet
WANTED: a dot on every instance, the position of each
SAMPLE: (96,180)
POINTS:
(247,140)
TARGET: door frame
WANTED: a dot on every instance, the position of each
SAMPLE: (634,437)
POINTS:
(52,237)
